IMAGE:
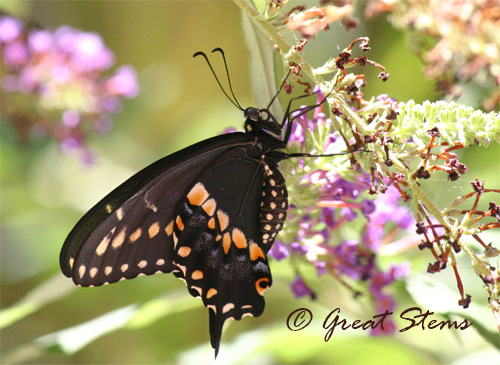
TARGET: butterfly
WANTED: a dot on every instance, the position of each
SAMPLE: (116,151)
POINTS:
(208,213)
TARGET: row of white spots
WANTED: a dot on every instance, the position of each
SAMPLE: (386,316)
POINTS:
(109,269)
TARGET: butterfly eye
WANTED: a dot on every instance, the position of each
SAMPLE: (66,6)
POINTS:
(253,114)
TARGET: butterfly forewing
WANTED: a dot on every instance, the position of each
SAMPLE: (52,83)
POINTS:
(127,218)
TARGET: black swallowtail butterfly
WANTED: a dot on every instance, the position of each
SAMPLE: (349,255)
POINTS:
(208,213)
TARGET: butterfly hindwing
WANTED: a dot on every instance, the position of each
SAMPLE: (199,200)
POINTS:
(218,239)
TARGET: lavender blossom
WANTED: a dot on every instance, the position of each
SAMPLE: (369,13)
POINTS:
(331,204)
(64,74)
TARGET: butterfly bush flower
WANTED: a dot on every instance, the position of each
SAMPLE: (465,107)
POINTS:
(314,225)
(462,46)
(57,84)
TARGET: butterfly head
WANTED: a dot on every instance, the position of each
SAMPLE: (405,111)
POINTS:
(261,120)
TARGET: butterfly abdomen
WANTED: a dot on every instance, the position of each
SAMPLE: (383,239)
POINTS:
(274,203)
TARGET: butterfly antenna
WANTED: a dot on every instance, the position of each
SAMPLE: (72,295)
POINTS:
(227,74)
(236,104)
(279,91)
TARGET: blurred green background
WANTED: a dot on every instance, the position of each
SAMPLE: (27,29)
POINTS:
(45,192)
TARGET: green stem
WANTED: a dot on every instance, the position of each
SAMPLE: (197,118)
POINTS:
(422,198)
(290,55)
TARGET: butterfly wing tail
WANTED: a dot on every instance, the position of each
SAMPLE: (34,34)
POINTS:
(216,325)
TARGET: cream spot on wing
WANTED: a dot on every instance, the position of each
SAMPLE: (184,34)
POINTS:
(135,236)
(239,238)
(211,292)
(154,229)
(183,269)
(103,246)
(123,278)
(108,270)
(118,240)
(273,206)
(212,307)
(248,306)
(267,227)
(274,193)
(198,289)
(151,206)
(281,215)
(247,314)
(265,236)
(124,267)
(227,307)
(180,223)
(269,217)
(197,195)
(169,229)
(197,275)
(272,182)
(227,320)
(175,240)
(109,209)
(142,264)
(93,272)
(119,214)
(223,220)
(81,271)
(209,206)
(160,262)
(71,262)
(184,251)
(283,205)
(141,274)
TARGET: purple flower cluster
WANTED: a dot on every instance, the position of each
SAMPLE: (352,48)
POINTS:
(313,230)
(54,83)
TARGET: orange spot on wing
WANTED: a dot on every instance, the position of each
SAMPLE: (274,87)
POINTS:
(184,251)
(209,207)
(239,238)
(197,275)
(197,195)
(211,293)
(258,286)
(256,252)
(226,243)
(223,220)
(180,223)
(169,229)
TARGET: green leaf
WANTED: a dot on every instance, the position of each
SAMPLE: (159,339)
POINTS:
(262,70)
